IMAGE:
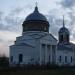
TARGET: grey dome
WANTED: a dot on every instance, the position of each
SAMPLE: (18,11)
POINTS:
(36,16)
(64,30)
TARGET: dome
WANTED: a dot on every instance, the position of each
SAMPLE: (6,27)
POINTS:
(64,30)
(36,22)
(36,16)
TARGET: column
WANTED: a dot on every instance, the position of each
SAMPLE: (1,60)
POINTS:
(46,54)
(40,54)
(56,55)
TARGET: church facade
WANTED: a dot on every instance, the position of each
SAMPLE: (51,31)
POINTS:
(38,46)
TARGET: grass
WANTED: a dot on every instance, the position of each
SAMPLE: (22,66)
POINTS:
(64,71)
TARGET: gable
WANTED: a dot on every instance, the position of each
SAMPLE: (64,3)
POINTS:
(49,39)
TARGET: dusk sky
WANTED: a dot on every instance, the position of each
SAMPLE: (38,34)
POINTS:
(14,12)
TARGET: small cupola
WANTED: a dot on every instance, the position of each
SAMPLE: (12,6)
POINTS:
(63,34)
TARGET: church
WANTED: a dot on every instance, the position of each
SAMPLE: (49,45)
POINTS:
(38,46)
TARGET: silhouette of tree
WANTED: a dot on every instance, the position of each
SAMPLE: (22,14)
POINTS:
(4,61)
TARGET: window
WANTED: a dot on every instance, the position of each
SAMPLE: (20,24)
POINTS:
(61,38)
(71,59)
(60,59)
(66,59)
(43,45)
(11,58)
(20,58)
(43,53)
(67,37)
(45,28)
(49,57)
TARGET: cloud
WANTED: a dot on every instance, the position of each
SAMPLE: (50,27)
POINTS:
(6,39)
(55,25)
(13,20)
(55,16)
(4,49)
(68,3)
(10,28)
(7,35)
(13,23)
(1,15)
(16,11)
(10,23)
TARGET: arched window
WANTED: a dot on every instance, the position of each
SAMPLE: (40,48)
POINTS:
(20,58)
(67,37)
(61,38)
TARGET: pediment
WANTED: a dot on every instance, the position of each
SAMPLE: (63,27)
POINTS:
(49,38)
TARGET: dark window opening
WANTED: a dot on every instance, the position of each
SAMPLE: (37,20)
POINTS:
(71,59)
(59,58)
(11,58)
(49,58)
(60,38)
(43,53)
(20,58)
(66,59)
(67,37)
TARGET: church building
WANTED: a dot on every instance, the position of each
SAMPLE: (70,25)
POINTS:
(38,46)
(65,49)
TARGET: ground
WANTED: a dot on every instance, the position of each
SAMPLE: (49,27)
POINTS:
(64,71)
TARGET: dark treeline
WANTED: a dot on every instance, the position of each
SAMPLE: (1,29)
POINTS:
(4,61)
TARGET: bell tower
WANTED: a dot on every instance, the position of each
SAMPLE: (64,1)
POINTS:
(63,34)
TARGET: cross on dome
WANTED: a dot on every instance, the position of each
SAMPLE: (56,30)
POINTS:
(36,4)
(36,8)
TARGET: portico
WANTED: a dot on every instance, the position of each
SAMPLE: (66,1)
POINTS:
(47,52)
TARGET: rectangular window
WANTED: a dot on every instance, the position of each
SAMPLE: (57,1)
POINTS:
(60,59)
(43,45)
(11,58)
(66,59)
(49,58)
(71,59)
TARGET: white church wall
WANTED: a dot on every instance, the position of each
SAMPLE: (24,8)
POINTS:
(25,50)
(27,40)
(63,54)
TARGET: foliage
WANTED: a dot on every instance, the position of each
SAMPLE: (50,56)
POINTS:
(4,61)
